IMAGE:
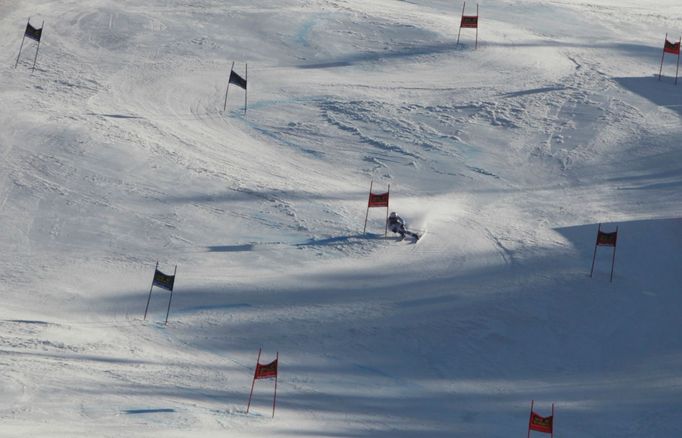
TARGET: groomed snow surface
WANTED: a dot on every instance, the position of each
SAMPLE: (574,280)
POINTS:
(116,153)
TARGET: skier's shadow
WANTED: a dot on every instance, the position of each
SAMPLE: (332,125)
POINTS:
(353,239)
(231,248)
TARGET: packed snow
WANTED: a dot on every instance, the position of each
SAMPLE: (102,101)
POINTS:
(116,154)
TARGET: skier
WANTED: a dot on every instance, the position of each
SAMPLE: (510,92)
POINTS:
(397,225)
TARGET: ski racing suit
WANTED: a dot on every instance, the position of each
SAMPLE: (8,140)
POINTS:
(397,225)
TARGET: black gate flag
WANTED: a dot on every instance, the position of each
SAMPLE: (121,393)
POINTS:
(164,281)
(237,80)
(32,32)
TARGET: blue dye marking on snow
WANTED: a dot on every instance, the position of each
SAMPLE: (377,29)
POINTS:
(303,34)
(468,150)
(304,31)
(372,370)
(160,325)
(404,384)
(263,131)
(261,104)
(430,301)
(272,134)
(147,411)
(212,307)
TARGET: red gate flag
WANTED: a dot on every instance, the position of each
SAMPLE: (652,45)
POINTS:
(266,371)
(607,239)
(33,33)
(673,48)
(470,21)
(378,200)
(540,424)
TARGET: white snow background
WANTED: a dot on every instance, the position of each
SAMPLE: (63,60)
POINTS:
(115,153)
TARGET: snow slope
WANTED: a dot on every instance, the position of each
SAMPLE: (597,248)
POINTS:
(116,153)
